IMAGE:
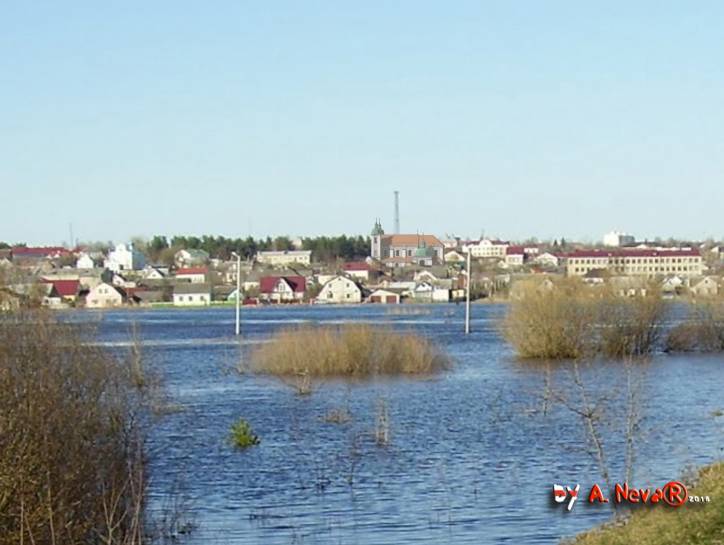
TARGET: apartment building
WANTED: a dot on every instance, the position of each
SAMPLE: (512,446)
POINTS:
(487,248)
(285,258)
(685,262)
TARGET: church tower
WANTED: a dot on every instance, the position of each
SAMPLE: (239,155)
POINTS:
(376,241)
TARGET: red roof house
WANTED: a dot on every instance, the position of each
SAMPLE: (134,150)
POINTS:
(65,289)
(282,289)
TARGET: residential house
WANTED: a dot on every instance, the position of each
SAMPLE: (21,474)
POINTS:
(453,256)
(514,256)
(384,296)
(340,289)
(104,295)
(284,258)
(546,259)
(672,285)
(30,257)
(84,261)
(146,297)
(124,258)
(190,258)
(195,275)
(282,289)
(120,281)
(153,273)
(705,287)
(426,292)
(66,290)
(189,294)
(629,286)
(360,270)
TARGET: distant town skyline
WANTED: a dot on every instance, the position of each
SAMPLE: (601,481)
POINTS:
(517,120)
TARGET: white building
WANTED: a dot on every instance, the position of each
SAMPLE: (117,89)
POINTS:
(284,258)
(84,261)
(195,275)
(546,259)
(340,289)
(453,256)
(514,256)
(707,286)
(191,294)
(124,258)
(104,296)
(684,262)
(360,270)
(190,258)
(486,248)
(617,239)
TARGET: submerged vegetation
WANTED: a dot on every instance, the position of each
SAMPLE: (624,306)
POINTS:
(350,350)
(72,444)
(569,320)
(242,436)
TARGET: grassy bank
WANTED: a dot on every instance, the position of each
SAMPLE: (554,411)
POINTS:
(350,350)
(692,523)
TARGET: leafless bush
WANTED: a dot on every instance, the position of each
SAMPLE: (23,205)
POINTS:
(703,331)
(630,326)
(382,423)
(72,449)
(573,321)
(551,324)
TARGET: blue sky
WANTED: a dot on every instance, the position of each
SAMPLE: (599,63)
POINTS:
(517,119)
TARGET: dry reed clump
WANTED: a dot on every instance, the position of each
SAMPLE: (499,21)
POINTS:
(570,320)
(350,350)
(72,457)
(703,331)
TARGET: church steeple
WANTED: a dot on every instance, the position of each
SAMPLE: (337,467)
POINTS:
(377,229)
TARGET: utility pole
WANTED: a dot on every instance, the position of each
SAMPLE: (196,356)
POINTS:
(238,292)
(467,298)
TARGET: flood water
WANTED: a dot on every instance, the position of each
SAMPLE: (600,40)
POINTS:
(472,455)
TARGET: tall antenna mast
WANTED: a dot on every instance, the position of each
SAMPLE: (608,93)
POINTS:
(397,212)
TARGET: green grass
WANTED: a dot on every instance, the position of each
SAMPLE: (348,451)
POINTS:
(242,436)
(695,523)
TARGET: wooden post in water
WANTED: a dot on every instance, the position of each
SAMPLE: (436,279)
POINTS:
(467,298)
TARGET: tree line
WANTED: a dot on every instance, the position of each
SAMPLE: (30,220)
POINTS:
(324,248)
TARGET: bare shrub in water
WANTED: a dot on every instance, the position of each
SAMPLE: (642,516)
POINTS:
(350,350)
(72,464)
(571,320)
(553,323)
(630,326)
(703,331)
